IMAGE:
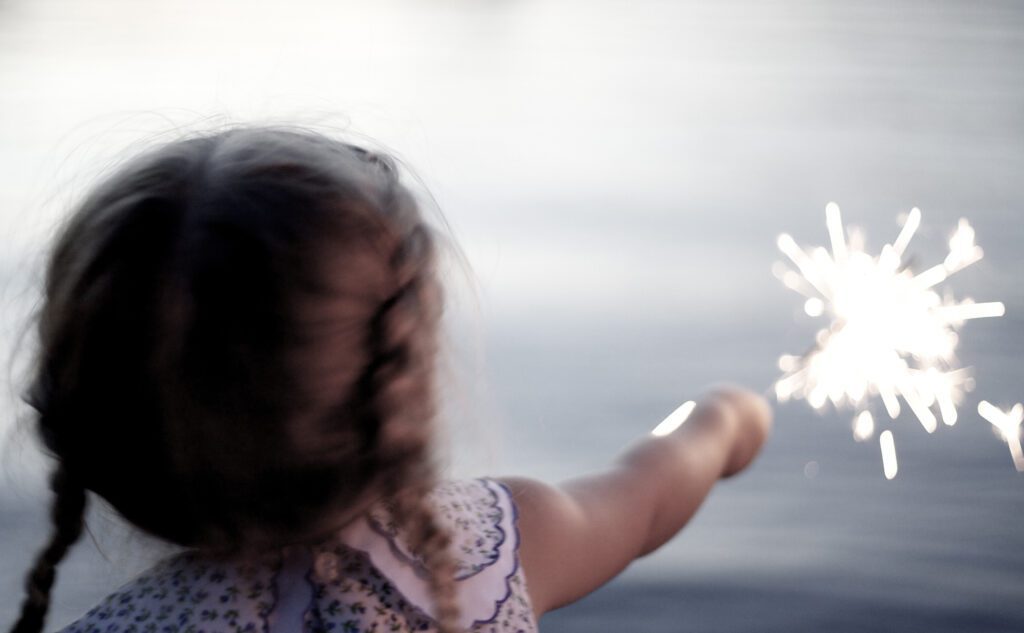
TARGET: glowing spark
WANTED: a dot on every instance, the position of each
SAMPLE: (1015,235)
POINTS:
(889,465)
(890,334)
(834,224)
(1008,423)
(674,419)
(907,233)
(863,426)
(814,307)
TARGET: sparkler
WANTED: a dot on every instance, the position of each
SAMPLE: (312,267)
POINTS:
(890,336)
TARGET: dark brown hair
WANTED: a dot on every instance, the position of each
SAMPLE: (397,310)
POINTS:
(236,348)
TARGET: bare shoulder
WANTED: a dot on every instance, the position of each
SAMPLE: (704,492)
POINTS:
(546,516)
(565,546)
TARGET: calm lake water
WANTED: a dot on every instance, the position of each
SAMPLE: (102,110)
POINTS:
(616,174)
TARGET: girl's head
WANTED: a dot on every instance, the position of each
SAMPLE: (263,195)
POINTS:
(237,344)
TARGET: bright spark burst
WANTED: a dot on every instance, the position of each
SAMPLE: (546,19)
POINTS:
(1008,424)
(891,335)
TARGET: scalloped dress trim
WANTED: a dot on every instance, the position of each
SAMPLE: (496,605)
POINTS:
(478,601)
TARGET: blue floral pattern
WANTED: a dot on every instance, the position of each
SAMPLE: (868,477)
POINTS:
(189,594)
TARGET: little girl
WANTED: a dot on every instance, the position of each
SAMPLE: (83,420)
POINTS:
(236,352)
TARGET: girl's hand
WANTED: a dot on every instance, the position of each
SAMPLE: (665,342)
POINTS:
(745,415)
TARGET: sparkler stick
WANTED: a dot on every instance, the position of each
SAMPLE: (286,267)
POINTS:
(674,419)
(890,334)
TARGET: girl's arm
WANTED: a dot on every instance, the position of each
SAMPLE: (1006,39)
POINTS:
(577,536)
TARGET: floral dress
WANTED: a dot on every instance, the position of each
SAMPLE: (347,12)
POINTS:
(363,578)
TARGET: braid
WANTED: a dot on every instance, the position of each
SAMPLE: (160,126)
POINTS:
(401,401)
(431,542)
(67,517)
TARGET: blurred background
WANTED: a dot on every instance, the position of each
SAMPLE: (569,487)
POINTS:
(615,174)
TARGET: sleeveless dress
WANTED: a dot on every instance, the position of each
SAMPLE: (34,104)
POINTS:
(360,579)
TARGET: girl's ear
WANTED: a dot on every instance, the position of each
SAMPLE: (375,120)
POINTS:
(67,516)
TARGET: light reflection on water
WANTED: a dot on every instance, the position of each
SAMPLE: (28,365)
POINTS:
(617,174)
